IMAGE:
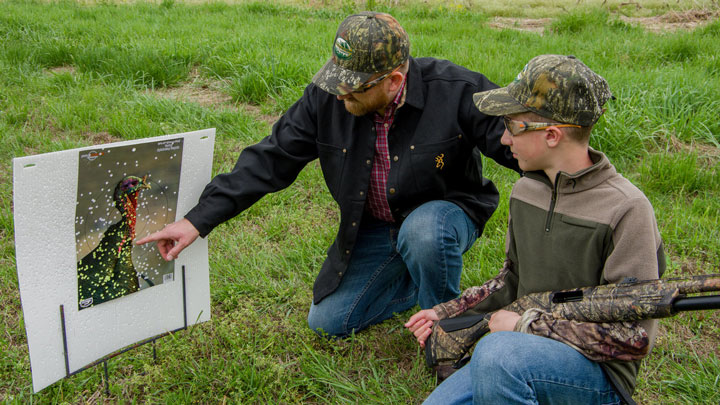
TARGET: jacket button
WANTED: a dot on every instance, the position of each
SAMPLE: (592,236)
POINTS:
(354,224)
(459,136)
(412,147)
(362,193)
(395,158)
(344,150)
(368,161)
(347,252)
(392,190)
(340,273)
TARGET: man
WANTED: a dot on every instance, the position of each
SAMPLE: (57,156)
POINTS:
(395,137)
(574,222)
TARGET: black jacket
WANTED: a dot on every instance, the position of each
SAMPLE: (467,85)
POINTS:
(433,145)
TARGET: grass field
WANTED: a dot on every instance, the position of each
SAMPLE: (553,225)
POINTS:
(76,74)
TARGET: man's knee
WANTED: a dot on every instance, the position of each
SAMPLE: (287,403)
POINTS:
(434,227)
(325,324)
(418,238)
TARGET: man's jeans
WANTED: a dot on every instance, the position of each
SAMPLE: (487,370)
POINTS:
(392,269)
(517,368)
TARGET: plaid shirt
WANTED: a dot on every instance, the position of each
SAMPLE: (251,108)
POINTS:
(377,201)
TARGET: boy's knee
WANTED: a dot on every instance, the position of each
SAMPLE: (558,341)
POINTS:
(499,353)
(489,351)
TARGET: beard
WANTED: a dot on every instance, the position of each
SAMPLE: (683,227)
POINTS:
(359,108)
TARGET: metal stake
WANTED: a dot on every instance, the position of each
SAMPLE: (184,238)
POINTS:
(107,379)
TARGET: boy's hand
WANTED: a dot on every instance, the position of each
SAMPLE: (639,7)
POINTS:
(503,320)
(421,324)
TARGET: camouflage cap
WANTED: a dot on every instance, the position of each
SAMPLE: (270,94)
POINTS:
(558,87)
(366,43)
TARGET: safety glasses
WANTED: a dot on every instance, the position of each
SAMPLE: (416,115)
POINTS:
(518,127)
(372,83)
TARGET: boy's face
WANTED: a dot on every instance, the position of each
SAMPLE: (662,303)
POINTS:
(528,147)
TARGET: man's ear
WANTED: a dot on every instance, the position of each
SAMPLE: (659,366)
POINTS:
(553,136)
(395,81)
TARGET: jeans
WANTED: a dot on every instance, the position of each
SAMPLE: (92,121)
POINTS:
(517,368)
(392,268)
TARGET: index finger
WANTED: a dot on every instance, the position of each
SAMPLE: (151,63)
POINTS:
(153,237)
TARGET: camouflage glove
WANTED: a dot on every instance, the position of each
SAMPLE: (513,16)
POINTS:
(448,346)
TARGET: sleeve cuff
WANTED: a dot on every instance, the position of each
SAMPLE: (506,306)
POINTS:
(530,316)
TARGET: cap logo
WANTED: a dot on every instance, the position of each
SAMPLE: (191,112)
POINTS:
(521,74)
(342,49)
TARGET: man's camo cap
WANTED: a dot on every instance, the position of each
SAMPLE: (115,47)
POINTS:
(366,44)
(553,86)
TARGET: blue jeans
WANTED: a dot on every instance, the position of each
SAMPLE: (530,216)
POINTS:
(517,368)
(392,268)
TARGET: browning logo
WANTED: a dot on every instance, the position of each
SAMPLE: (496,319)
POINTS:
(439,163)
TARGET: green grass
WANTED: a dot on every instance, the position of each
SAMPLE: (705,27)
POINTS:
(75,74)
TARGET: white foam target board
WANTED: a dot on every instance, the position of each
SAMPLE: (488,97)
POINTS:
(45,193)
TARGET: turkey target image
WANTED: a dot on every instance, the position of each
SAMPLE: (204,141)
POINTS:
(124,193)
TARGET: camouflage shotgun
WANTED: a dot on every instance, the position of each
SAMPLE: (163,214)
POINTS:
(630,300)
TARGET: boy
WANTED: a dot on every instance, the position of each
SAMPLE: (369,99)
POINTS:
(574,222)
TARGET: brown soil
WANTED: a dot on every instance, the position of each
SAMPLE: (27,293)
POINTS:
(710,154)
(521,24)
(62,69)
(209,94)
(669,22)
(673,21)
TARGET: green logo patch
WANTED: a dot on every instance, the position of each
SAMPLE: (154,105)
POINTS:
(342,49)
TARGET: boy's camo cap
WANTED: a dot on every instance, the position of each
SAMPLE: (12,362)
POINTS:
(558,87)
(366,44)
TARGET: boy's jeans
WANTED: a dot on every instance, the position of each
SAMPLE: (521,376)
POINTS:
(517,368)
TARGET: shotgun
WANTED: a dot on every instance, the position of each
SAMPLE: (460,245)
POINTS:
(451,339)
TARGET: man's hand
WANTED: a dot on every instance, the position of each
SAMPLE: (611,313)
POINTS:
(421,325)
(172,239)
(503,320)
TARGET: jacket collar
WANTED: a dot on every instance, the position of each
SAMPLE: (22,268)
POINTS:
(585,179)
(415,89)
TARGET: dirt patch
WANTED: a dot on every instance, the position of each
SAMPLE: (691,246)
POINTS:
(196,90)
(62,69)
(257,113)
(668,22)
(521,24)
(704,151)
(209,93)
(673,21)
(99,138)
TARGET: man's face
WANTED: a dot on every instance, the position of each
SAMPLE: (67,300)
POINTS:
(527,147)
(374,99)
